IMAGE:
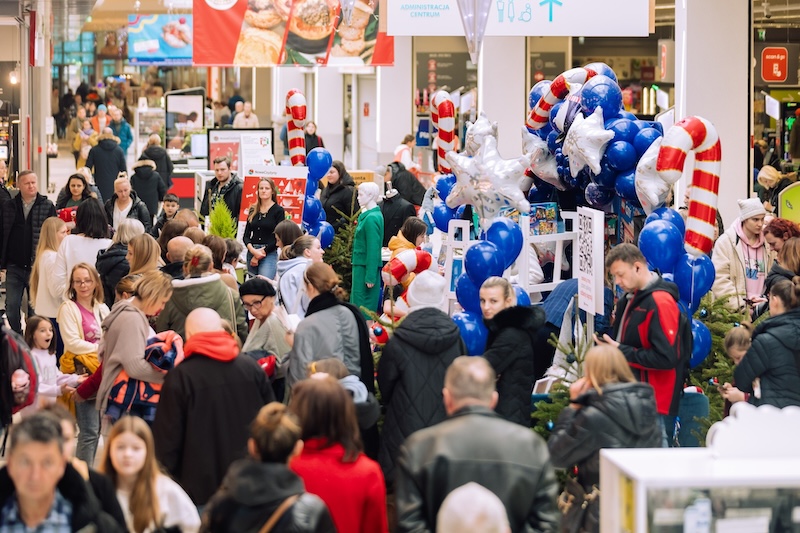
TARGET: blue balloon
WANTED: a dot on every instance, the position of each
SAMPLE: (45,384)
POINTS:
(326,234)
(312,229)
(507,236)
(694,277)
(445,184)
(460,211)
(540,192)
(662,244)
(670,215)
(442,215)
(621,155)
(684,309)
(627,114)
(601,91)
(483,260)
(602,68)
(552,141)
(318,161)
(473,331)
(644,139)
(544,131)
(322,216)
(553,112)
(607,176)
(311,187)
(597,196)
(311,210)
(468,294)
(655,125)
(623,129)
(626,186)
(701,343)
(523,298)
(537,91)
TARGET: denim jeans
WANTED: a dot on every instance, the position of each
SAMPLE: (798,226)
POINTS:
(88,418)
(16,283)
(267,267)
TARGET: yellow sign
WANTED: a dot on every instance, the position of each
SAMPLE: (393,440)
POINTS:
(628,504)
(362,176)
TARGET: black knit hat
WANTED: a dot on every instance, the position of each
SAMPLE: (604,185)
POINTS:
(257,286)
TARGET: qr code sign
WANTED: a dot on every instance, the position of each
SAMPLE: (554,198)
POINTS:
(585,245)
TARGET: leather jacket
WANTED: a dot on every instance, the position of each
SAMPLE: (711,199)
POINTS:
(475,444)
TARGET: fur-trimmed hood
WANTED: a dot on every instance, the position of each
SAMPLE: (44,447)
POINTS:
(144,163)
(107,141)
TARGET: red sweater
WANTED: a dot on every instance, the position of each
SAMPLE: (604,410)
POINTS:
(354,492)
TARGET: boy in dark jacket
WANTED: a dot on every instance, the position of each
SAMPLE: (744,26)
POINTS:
(169,208)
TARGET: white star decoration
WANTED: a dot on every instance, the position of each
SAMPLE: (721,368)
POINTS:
(476,134)
(487,181)
(651,190)
(585,142)
(543,163)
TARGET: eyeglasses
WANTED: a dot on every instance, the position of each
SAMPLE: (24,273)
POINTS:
(83,282)
(254,305)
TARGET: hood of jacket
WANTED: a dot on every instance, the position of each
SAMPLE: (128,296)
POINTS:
(632,406)
(144,168)
(206,291)
(285,264)
(777,273)
(522,317)
(399,243)
(122,310)
(737,224)
(785,328)
(110,257)
(155,152)
(428,330)
(107,141)
(252,484)
(355,387)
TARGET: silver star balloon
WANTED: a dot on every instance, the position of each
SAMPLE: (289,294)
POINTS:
(488,182)
(543,163)
(651,189)
(476,134)
(586,141)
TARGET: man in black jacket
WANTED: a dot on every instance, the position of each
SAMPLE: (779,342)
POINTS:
(106,161)
(40,490)
(22,217)
(226,186)
(475,445)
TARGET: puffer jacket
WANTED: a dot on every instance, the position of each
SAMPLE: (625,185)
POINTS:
(623,416)
(339,196)
(250,494)
(773,358)
(164,165)
(509,349)
(208,291)
(729,260)
(42,210)
(138,211)
(112,265)
(148,184)
(411,377)
(777,273)
(106,161)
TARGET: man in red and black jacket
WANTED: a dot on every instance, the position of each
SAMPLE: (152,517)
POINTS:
(649,327)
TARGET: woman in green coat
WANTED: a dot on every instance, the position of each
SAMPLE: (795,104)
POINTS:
(367,250)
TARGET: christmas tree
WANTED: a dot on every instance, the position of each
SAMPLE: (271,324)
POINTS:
(340,254)
(221,221)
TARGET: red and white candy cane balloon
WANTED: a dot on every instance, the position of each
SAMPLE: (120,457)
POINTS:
(407,262)
(698,135)
(559,89)
(443,115)
(295,133)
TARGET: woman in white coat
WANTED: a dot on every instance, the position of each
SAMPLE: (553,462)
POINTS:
(46,299)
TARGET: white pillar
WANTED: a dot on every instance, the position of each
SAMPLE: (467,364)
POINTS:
(712,70)
(502,93)
(395,107)
(329,114)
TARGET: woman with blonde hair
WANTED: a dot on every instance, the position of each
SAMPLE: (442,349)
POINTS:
(79,319)
(608,409)
(143,254)
(44,295)
(773,182)
(201,287)
(112,263)
(150,500)
(509,347)
(263,217)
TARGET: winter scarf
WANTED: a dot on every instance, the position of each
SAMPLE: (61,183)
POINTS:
(217,345)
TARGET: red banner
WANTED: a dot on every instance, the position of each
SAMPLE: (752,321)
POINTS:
(288,32)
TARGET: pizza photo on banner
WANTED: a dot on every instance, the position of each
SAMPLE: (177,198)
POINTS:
(288,32)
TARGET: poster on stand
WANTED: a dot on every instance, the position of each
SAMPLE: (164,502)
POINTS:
(160,39)
(290,183)
(256,149)
(591,236)
(229,143)
(280,32)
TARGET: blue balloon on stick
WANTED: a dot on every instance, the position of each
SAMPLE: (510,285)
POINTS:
(701,343)
(311,187)
(483,260)
(507,236)
(661,244)
(473,331)
(670,215)
(326,234)
(468,294)
(318,161)
(312,209)
(694,277)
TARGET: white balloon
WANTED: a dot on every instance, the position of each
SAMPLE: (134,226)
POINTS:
(476,134)
(651,189)
(586,141)
(543,163)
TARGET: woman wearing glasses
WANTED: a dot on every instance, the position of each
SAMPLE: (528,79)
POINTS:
(79,319)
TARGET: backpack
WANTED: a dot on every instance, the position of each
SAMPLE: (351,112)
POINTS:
(19,379)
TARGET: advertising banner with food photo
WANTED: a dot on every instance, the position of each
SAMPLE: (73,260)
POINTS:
(290,183)
(288,32)
(160,39)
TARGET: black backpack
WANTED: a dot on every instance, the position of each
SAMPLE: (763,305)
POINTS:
(19,379)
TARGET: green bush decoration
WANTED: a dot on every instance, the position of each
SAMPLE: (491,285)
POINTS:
(221,221)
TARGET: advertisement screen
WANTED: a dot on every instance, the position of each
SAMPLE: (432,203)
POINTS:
(160,39)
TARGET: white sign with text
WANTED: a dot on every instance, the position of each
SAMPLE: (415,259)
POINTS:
(590,260)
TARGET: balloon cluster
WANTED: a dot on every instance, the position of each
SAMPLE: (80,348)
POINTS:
(662,244)
(486,258)
(595,143)
(319,161)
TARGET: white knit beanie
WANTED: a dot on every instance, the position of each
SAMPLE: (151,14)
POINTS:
(752,207)
(427,290)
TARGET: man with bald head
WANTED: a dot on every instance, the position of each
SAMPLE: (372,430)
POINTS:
(176,251)
(207,404)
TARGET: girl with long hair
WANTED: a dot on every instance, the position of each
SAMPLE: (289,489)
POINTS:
(219,250)
(285,234)
(150,500)
(112,263)
(44,293)
(305,250)
(143,254)
(263,217)
(77,191)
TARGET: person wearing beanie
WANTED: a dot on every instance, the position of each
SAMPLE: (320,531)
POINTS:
(412,367)
(100,121)
(207,404)
(742,259)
